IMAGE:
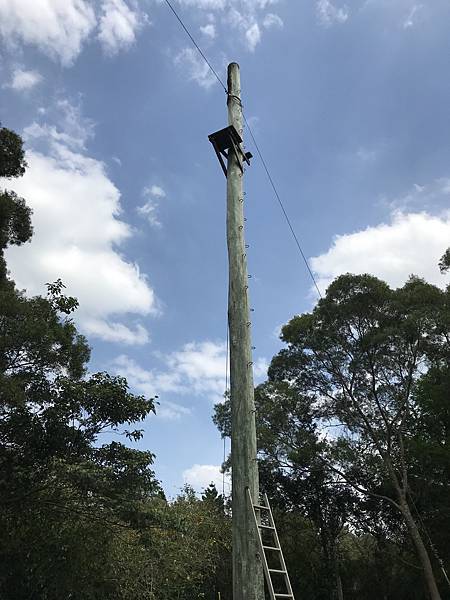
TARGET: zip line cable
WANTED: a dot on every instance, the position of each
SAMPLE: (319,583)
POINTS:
(277,195)
(269,176)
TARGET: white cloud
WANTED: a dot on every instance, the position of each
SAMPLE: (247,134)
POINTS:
(77,232)
(209,30)
(151,383)
(237,19)
(172,410)
(260,367)
(197,370)
(428,197)
(200,368)
(196,67)
(201,476)
(116,332)
(277,331)
(253,36)
(205,4)
(242,16)
(73,130)
(410,20)
(328,14)
(117,27)
(246,23)
(410,244)
(56,27)
(60,28)
(155,191)
(149,210)
(24,80)
(271,20)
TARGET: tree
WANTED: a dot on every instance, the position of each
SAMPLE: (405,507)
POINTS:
(192,553)
(12,154)
(444,263)
(358,357)
(67,502)
(15,216)
(72,509)
(429,447)
(295,474)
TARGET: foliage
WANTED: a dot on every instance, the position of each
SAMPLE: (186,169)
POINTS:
(12,154)
(15,222)
(65,499)
(358,357)
(193,558)
(15,215)
(444,263)
(69,506)
(353,420)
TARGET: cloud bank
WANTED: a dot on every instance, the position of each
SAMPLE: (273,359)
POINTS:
(201,476)
(60,28)
(78,234)
(197,370)
(411,243)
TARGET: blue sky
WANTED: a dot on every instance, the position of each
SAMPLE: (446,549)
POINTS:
(349,103)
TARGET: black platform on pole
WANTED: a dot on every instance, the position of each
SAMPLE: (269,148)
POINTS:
(226,139)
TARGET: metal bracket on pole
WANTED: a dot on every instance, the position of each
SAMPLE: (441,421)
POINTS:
(229,139)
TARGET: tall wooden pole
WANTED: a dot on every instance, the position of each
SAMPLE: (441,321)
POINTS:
(247,569)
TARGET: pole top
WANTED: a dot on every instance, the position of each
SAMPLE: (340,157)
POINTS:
(233,80)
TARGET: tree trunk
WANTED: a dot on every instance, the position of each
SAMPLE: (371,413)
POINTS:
(421,551)
(339,591)
(329,547)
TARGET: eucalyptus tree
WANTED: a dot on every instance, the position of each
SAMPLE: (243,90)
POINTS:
(293,462)
(358,357)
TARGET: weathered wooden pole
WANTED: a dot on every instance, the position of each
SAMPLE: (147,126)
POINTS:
(247,569)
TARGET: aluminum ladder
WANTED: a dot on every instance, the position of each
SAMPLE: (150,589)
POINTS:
(270,547)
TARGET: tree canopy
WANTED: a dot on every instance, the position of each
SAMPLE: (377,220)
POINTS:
(353,423)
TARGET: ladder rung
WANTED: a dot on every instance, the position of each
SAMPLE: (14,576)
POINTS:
(284,596)
(271,548)
(277,571)
(259,507)
(266,527)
